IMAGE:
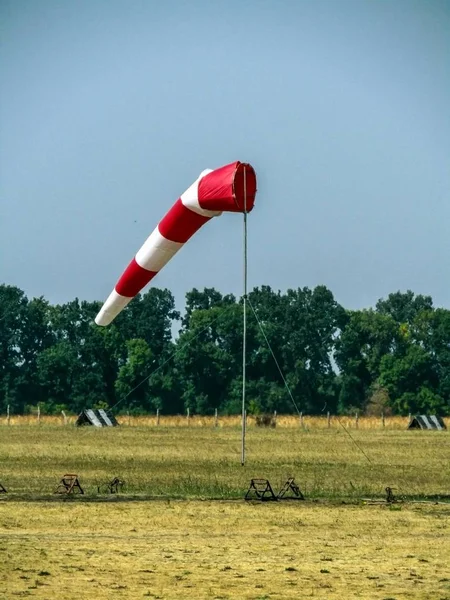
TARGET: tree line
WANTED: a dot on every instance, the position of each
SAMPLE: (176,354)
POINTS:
(305,352)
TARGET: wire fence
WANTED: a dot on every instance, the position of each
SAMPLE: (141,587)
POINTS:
(300,421)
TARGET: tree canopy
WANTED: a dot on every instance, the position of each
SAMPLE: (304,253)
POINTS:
(304,352)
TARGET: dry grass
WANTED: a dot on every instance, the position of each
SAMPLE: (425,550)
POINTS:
(164,537)
(193,462)
(282,421)
(224,550)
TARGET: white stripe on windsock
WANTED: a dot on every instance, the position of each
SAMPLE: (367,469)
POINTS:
(190,198)
(111,308)
(156,251)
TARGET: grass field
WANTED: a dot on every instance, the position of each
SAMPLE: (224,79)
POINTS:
(283,421)
(181,529)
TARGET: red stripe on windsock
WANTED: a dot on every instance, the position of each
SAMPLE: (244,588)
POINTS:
(223,189)
(180,223)
(133,279)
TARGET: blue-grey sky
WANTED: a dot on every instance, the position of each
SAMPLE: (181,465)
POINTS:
(110,109)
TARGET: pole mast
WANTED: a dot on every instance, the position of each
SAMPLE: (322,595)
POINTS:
(244,333)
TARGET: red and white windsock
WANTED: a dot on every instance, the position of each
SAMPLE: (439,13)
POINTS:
(231,188)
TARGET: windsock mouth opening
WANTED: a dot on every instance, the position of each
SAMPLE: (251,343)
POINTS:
(244,187)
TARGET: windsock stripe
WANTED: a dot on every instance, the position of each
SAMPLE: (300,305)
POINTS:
(190,198)
(180,223)
(133,279)
(156,251)
(173,231)
(111,308)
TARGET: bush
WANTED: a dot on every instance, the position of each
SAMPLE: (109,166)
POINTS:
(266,421)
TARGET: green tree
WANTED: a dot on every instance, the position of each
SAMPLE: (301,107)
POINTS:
(13,304)
(412,381)
(403,307)
(367,337)
(301,327)
(150,317)
(431,330)
(399,353)
(97,353)
(204,300)
(130,384)
(206,357)
(56,368)
(25,331)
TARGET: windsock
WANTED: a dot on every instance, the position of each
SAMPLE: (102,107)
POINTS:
(231,188)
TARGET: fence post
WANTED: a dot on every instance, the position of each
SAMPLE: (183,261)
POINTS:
(39,414)
(216,418)
(275,416)
(382,419)
(356,420)
(188,416)
(128,415)
(301,419)
(157,416)
(64,417)
(328,420)
(8,417)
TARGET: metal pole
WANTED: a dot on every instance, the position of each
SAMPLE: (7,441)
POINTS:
(244,337)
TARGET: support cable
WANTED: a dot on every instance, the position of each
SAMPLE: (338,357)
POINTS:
(274,357)
(287,386)
(352,438)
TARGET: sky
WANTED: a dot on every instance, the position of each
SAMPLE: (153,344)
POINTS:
(111,109)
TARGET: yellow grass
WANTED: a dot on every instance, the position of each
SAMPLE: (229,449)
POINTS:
(205,462)
(165,537)
(197,550)
(282,421)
